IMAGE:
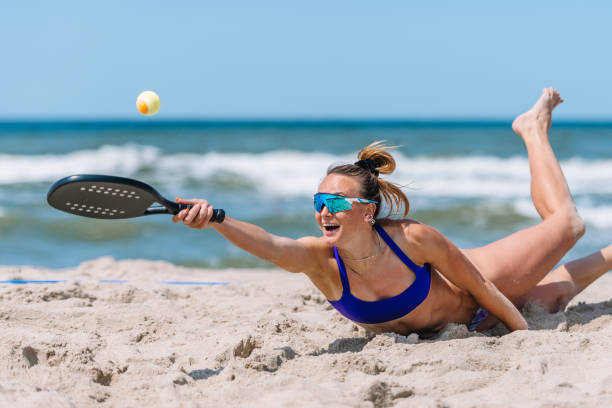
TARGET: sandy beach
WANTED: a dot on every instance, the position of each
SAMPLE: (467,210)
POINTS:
(262,338)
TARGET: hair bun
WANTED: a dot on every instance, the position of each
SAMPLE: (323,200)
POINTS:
(378,154)
(375,159)
(368,164)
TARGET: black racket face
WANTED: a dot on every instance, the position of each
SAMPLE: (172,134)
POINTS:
(104,197)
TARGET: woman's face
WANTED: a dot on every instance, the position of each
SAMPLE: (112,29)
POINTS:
(344,226)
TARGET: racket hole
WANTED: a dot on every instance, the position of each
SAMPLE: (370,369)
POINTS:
(121,195)
(83,188)
(122,212)
(67,203)
(137,197)
(106,192)
(80,209)
(114,193)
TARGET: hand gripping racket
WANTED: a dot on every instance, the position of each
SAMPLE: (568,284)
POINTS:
(110,197)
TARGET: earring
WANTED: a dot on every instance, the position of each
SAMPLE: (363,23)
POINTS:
(371,220)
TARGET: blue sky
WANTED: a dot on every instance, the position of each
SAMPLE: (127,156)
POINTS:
(314,59)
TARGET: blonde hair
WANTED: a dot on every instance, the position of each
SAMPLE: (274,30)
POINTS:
(373,159)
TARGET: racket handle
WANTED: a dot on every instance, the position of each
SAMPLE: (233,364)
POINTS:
(218,214)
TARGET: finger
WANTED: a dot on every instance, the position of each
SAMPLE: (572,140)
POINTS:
(201,221)
(191,213)
(180,216)
(185,201)
(191,201)
(204,215)
(209,213)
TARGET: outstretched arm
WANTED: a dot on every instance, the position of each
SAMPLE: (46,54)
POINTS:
(450,261)
(286,253)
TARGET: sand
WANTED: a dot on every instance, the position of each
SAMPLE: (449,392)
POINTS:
(268,338)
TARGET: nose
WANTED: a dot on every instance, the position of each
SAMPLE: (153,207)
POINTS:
(324,211)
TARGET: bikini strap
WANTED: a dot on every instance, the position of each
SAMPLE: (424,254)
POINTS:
(342,269)
(400,254)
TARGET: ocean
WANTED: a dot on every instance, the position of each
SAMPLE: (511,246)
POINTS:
(470,180)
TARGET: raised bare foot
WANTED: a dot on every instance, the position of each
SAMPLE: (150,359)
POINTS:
(537,119)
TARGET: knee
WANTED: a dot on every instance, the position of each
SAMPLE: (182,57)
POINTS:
(574,227)
(578,225)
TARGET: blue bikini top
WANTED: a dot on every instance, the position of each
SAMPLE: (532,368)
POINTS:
(385,310)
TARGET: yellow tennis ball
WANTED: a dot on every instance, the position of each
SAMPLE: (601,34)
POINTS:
(148,103)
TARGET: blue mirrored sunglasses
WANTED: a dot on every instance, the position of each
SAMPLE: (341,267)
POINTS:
(336,203)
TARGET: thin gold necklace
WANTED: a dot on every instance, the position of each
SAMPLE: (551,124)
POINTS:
(367,257)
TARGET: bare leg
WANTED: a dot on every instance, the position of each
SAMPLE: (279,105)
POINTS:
(517,263)
(549,190)
(561,285)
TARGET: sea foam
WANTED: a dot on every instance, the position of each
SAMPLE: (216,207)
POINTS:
(599,216)
(296,173)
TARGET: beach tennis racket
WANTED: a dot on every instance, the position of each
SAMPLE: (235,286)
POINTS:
(110,198)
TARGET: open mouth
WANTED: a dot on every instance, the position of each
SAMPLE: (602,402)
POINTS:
(330,227)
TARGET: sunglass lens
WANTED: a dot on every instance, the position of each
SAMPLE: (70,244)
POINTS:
(335,205)
(319,201)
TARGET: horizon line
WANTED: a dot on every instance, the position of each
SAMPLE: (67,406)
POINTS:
(282,122)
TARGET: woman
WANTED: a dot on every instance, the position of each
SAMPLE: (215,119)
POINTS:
(404,276)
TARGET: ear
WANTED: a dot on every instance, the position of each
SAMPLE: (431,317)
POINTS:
(372,206)
(369,211)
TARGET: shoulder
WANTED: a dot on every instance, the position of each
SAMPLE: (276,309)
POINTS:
(323,272)
(314,243)
(319,251)
(413,232)
(420,240)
